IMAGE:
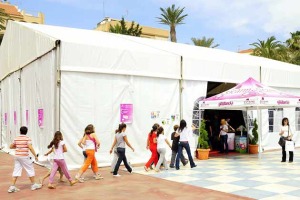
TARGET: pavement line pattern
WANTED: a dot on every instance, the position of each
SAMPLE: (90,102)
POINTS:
(255,176)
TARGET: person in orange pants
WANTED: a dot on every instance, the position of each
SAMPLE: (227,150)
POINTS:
(91,143)
(152,145)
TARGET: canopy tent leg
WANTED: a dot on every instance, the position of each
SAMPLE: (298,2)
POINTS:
(260,149)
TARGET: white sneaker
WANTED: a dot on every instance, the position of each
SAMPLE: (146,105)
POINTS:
(98,177)
(13,188)
(36,186)
(117,175)
(79,179)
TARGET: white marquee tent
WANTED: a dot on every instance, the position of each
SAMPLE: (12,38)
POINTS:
(57,78)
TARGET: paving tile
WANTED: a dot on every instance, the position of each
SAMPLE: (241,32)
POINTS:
(254,193)
(277,188)
(226,187)
(281,197)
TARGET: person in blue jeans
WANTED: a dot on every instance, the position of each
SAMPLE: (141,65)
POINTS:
(119,143)
(223,136)
(184,134)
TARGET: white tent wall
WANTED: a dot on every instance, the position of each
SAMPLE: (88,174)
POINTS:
(20,46)
(38,92)
(192,90)
(94,98)
(10,91)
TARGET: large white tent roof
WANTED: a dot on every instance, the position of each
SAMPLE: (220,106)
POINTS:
(96,51)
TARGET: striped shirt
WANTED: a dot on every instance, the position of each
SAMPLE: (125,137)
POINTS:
(21,142)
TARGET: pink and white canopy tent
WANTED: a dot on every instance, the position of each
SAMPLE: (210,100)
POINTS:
(250,95)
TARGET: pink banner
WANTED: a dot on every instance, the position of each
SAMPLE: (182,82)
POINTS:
(41,117)
(15,117)
(27,117)
(126,111)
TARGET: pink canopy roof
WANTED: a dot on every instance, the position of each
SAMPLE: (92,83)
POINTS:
(248,89)
(249,94)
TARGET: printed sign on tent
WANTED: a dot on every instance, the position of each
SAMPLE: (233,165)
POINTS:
(41,117)
(27,117)
(15,117)
(126,111)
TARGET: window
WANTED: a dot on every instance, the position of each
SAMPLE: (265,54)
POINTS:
(275,117)
(297,119)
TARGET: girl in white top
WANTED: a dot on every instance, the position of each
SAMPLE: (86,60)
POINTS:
(161,148)
(184,134)
(287,134)
(59,147)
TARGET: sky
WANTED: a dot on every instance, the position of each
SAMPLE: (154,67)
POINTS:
(234,24)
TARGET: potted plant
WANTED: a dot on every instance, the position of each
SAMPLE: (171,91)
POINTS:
(203,147)
(253,147)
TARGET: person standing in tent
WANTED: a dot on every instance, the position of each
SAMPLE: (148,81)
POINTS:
(23,145)
(91,143)
(59,148)
(287,134)
(119,142)
(215,132)
(161,149)
(152,145)
(223,136)
(184,134)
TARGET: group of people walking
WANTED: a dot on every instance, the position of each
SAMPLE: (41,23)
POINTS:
(157,142)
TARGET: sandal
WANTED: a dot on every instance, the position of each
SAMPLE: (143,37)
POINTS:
(146,169)
(50,186)
(73,182)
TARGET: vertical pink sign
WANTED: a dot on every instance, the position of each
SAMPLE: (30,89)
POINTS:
(41,117)
(27,117)
(126,111)
(5,119)
(15,117)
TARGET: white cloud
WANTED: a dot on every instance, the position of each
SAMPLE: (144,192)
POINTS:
(243,16)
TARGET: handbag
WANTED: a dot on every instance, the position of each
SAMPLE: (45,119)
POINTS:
(281,141)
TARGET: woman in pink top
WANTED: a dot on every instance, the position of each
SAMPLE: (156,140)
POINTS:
(58,146)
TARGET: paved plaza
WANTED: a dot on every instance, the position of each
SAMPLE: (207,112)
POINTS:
(240,176)
(255,176)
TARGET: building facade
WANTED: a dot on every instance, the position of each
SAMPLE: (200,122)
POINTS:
(147,32)
(15,14)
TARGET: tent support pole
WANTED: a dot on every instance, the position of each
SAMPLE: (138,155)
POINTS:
(181,89)
(260,132)
(57,87)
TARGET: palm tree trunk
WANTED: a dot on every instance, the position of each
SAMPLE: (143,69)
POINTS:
(173,33)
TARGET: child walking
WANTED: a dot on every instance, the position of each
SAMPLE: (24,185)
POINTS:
(152,145)
(161,149)
(92,143)
(61,174)
(175,149)
(82,146)
(23,145)
(119,142)
(59,147)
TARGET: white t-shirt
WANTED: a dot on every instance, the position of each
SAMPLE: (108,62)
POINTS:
(161,142)
(223,128)
(59,152)
(185,134)
(286,131)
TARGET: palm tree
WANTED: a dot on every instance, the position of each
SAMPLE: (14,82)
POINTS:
(271,48)
(3,17)
(293,45)
(172,16)
(205,42)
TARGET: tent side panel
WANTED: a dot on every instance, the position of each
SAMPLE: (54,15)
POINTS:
(10,90)
(88,98)
(38,82)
